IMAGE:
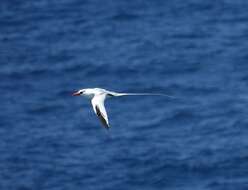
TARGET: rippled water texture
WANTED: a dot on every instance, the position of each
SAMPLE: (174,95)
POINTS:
(194,50)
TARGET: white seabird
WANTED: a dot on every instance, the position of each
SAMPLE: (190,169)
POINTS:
(98,96)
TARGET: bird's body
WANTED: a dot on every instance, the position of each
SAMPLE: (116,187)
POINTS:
(98,96)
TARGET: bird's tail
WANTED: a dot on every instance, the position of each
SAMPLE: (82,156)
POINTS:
(142,94)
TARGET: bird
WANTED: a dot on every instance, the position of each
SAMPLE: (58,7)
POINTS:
(98,97)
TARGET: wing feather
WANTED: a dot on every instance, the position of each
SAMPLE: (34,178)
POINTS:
(101,117)
(99,109)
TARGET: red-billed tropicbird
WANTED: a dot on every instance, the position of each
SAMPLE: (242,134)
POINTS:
(98,96)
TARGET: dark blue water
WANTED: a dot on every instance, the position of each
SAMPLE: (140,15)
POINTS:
(194,50)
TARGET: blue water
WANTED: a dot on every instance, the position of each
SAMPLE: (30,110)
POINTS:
(194,50)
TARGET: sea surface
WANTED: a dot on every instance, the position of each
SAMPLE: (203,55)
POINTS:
(194,50)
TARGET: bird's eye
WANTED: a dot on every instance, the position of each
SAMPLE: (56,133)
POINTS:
(81,92)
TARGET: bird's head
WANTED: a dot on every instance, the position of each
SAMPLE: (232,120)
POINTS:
(79,93)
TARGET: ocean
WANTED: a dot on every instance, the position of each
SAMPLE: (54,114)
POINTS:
(193,50)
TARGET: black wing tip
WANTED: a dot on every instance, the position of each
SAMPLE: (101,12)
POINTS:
(103,121)
(106,126)
(111,95)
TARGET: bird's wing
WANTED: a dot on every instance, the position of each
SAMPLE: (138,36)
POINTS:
(99,108)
